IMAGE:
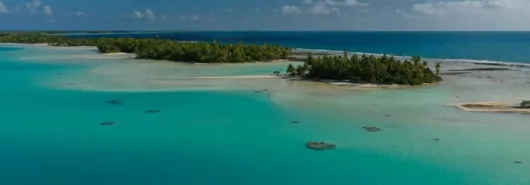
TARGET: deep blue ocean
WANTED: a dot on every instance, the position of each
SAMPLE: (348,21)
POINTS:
(489,46)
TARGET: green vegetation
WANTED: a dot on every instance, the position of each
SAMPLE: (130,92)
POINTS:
(214,52)
(366,69)
(357,69)
(525,104)
(34,38)
(162,49)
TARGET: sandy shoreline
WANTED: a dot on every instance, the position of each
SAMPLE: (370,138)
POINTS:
(491,106)
(453,73)
(115,54)
(220,77)
(48,46)
(330,82)
(372,85)
(300,54)
(357,85)
(21,44)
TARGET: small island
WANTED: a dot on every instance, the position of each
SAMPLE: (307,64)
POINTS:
(366,69)
(337,69)
(506,107)
(162,49)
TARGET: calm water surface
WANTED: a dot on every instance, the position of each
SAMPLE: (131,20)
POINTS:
(51,136)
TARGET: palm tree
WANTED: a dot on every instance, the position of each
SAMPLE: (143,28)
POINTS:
(290,70)
(525,104)
(163,49)
(366,68)
(309,58)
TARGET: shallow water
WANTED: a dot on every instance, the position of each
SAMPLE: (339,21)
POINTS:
(219,131)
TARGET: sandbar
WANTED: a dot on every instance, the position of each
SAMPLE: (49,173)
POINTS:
(358,85)
(117,53)
(505,107)
(220,77)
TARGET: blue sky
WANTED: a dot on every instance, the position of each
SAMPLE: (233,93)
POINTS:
(265,14)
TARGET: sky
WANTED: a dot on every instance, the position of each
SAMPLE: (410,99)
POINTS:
(381,15)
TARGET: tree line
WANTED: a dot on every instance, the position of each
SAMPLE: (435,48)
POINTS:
(162,49)
(366,69)
(358,69)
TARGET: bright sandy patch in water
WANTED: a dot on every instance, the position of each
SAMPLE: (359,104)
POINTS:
(416,105)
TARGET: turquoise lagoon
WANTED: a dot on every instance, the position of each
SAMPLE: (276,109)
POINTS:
(219,131)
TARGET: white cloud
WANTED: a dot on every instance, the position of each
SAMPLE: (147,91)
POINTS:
(194,17)
(354,3)
(427,8)
(47,10)
(470,6)
(36,6)
(351,3)
(471,14)
(3,8)
(191,17)
(163,17)
(331,6)
(81,14)
(138,14)
(150,14)
(404,14)
(290,10)
(33,6)
(147,13)
(322,8)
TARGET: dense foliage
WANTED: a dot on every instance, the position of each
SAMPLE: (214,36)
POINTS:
(525,104)
(366,69)
(35,38)
(162,49)
(214,52)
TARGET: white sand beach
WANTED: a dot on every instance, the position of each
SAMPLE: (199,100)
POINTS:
(220,77)
(470,82)
(501,107)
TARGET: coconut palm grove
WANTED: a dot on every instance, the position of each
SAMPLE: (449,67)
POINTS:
(367,69)
(358,69)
